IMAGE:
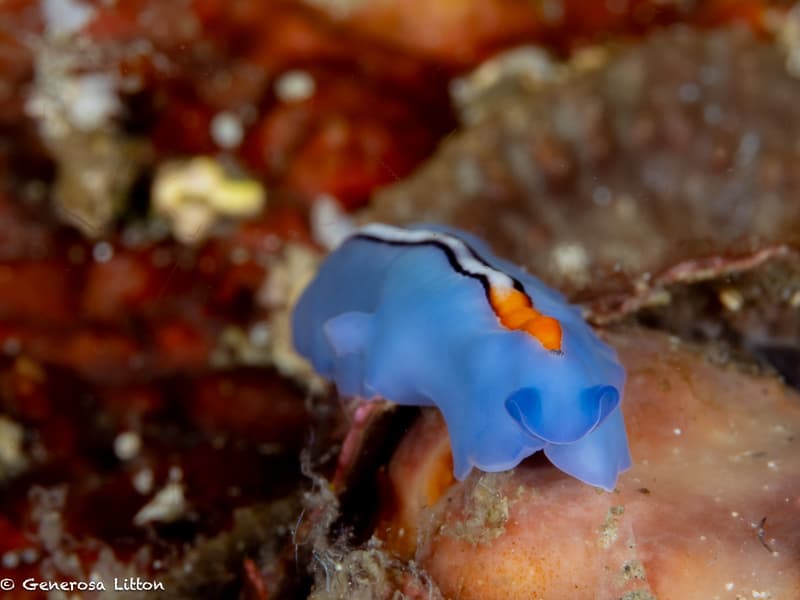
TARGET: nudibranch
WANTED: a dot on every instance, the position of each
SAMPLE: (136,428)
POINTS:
(430,317)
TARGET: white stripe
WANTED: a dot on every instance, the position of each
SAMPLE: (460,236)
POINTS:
(497,279)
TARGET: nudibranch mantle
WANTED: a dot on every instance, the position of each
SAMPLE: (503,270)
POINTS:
(430,317)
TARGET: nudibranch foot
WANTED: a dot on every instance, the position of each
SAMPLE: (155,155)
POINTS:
(598,458)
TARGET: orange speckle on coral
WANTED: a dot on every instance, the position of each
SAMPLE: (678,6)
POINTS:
(515,311)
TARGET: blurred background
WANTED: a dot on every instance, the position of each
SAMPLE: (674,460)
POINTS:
(171,174)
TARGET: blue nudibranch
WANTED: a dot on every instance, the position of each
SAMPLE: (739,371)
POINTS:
(429,316)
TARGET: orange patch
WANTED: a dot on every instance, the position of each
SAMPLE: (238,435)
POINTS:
(515,311)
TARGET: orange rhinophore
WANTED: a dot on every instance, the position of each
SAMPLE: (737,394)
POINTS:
(515,311)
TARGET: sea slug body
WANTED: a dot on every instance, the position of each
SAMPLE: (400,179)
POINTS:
(430,317)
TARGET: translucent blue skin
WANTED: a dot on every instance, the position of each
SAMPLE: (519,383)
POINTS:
(398,322)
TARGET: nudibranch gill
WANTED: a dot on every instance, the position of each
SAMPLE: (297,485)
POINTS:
(429,316)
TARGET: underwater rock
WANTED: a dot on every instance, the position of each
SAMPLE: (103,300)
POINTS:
(661,153)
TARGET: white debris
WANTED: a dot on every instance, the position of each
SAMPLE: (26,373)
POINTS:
(236,346)
(195,194)
(295,86)
(10,560)
(93,100)
(227,130)
(571,260)
(62,101)
(65,94)
(143,481)
(731,299)
(66,17)
(127,445)
(168,505)
(259,334)
(102,252)
(46,507)
(330,225)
